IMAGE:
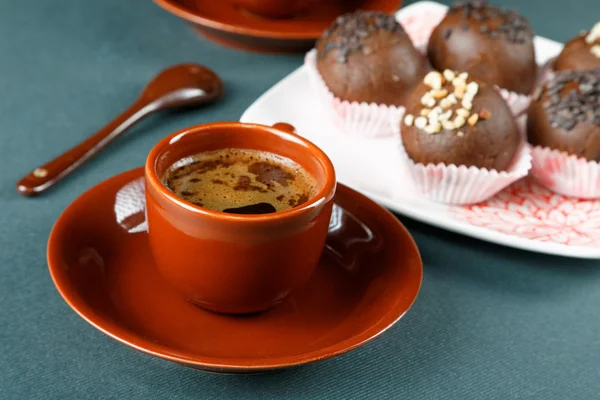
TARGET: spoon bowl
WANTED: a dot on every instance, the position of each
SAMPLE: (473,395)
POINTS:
(182,85)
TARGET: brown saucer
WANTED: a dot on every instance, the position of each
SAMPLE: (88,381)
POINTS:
(367,279)
(227,24)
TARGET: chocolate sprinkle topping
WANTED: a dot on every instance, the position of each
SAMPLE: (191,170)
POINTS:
(582,103)
(513,27)
(349,31)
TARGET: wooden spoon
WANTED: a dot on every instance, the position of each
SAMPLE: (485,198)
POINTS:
(177,86)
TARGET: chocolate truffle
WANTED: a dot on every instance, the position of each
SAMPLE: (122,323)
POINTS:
(565,114)
(452,119)
(581,53)
(367,57)
(491,44)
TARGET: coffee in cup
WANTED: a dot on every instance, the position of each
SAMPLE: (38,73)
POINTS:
(240,181)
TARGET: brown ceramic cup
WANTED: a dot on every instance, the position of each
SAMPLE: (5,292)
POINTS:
(234,263)
(275,8)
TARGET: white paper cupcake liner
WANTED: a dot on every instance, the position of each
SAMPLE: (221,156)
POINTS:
(566,174)
(518,103)
(366,120)
(461,185)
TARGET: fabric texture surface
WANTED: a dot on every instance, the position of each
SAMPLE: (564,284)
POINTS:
(490,322)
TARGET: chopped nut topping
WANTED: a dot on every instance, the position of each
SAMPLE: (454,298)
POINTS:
(594,34)
(459,92)
(438,112)
(460,134)
(485,114)
(421,122)
(428,100)
(459,122)
(448,125)
(472,88)
(446,116)
(439,93)
(433,128)
(473,119)
(434,80)
(592,37)
(458,82)
(468,97)
(449,75)
(463,113)
(445,103)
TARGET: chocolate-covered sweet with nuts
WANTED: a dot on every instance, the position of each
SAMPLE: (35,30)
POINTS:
(367,57)
(452,119)
(581,53)
(491,44)
(565,114)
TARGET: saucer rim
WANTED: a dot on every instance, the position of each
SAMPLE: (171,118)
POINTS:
(215,364)
(182,12)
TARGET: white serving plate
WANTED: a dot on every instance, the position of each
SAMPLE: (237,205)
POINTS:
(524,215)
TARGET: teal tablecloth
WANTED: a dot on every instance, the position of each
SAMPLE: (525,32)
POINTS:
(490,322)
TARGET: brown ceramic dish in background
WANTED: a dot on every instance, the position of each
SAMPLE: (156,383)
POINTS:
(275,8)
(232,263)
(227,24)
(367,279)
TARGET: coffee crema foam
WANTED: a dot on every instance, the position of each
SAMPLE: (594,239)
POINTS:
(240,181)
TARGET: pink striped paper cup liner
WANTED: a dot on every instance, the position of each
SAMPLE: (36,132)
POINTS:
(462,185)
(518,103)
(546,72)
(566,174)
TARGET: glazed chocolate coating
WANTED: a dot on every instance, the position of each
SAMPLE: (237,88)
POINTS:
(566,114)
(367,57)
(490,44)
(576,55)
(490,143)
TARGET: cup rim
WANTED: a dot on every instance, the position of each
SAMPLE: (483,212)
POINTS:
(324,195)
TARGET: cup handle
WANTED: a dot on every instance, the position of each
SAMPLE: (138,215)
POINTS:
(284,126)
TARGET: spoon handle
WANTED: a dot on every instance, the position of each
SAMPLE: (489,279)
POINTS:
(44,176)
